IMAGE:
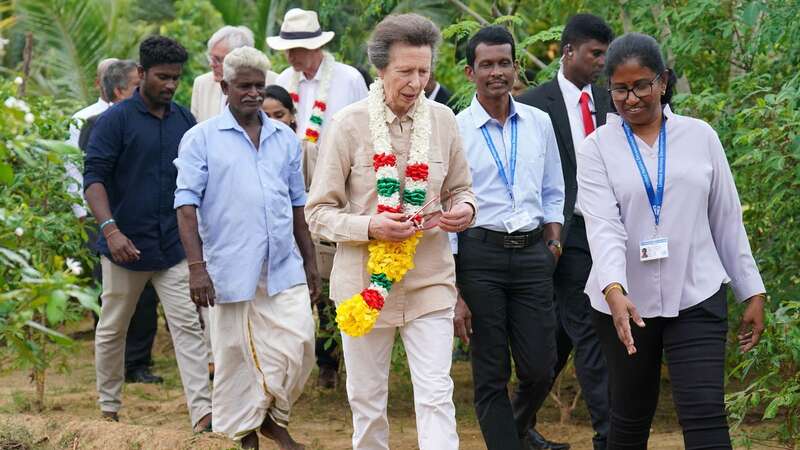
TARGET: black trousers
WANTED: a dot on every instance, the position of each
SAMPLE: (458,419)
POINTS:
(694,346)
(510,294)
(143,327)
(576,331)
(327,326)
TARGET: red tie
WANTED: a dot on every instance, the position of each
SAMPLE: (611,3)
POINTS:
(588,123)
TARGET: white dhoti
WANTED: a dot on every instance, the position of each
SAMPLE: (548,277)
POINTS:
(263,355)
(428,341)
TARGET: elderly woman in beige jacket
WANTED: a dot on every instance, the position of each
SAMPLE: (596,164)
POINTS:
(359,201)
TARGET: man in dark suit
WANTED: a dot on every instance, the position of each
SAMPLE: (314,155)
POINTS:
(576,107)
(438,93)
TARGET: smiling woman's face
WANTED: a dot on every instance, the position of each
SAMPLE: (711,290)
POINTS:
(644,109)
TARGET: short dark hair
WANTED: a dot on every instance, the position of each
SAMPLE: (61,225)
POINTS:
(644,49)
(156,50)
(491,35)
(280,94)
(585,27)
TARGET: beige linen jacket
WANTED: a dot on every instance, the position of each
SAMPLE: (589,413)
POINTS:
(343,198)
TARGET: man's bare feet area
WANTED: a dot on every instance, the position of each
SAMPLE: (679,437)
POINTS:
(203,425)
(280,435)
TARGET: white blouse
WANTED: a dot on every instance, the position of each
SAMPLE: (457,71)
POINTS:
(701,217)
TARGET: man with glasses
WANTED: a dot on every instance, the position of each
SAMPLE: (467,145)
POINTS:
(207,97)
(576,107)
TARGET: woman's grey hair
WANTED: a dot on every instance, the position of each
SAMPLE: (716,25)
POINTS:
(117,76)
(234,37)
(244,58)
(411,29)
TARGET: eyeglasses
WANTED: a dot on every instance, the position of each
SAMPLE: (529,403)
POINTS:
(427,221)
(640,90)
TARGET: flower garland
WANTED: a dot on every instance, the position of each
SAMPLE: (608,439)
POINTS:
(389,261)
(318,110)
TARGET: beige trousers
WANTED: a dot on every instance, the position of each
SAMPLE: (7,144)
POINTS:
(121,290)
(263,355)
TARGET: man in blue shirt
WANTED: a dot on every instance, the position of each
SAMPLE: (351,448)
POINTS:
(505,263)
(130,186)
(250,254)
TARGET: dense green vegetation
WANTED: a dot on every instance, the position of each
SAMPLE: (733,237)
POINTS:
(737,61)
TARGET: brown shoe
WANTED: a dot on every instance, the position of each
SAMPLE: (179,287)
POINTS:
(328,378)
(109,416)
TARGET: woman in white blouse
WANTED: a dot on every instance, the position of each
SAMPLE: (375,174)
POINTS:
(665,229)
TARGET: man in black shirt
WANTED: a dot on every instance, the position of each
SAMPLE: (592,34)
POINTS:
(130,187)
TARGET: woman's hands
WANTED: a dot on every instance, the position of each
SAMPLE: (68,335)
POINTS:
(622,311)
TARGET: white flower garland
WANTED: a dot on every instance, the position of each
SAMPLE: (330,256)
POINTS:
(314,127)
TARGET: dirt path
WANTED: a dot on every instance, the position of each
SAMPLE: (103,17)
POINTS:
(155,417)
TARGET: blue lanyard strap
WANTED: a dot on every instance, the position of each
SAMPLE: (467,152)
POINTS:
(512,163)
(656,197)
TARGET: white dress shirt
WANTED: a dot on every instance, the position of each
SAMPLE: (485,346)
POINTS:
(701,217)
(572,97)
(76,188)
(539,182)
(346,86)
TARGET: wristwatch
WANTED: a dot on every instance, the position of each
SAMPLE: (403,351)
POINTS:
(555,243)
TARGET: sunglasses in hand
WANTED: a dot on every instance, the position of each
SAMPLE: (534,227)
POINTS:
(425,221)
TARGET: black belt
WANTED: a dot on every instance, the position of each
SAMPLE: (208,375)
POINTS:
(505,240)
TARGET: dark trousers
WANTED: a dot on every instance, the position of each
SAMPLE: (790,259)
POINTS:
(694,346)
(510,294)
(143,327)
(576,331)
(327,326)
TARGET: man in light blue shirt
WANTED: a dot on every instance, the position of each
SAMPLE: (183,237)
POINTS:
(250,255)
(505,263)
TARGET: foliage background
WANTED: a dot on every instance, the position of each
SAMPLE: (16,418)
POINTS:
(737,61)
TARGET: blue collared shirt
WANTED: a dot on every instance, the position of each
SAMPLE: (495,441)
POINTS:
(130,152)
(244,200)
(538,184)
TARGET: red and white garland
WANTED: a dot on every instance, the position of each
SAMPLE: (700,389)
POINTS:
(314,126)
(389,261)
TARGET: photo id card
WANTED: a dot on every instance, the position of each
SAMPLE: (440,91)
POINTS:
(653,249)
(517,220)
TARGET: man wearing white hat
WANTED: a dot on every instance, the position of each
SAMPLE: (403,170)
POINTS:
(319,86)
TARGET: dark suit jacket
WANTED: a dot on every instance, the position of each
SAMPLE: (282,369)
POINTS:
(548,98)
(86,132)
(444,97)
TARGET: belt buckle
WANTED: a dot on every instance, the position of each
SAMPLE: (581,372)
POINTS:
(516,241)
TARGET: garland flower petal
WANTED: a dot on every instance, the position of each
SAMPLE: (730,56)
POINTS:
(389,262)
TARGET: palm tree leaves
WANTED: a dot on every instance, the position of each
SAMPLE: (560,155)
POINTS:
(70,38)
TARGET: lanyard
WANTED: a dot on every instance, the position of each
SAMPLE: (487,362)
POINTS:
(656,197)
(512,164)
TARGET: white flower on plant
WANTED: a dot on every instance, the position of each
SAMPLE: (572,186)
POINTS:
(10,102)
(18,81)
(19,231)
(29,117)
(74,266)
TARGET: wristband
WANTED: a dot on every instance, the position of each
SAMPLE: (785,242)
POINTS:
(106,223)
(196,263)
(116,230)
(611,287)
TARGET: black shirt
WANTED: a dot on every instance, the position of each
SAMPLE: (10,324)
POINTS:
(131,152)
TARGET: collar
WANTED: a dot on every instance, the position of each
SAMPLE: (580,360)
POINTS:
(570,92)
(318,75)
(435,91)
(391,116)
(480,116)
(102,102)
(138,101)
(226,121)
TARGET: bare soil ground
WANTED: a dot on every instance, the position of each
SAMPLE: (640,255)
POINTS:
(155,416)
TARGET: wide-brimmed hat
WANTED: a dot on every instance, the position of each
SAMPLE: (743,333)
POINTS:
(300,28)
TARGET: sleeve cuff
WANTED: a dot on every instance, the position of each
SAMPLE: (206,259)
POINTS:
(183,198)
(554,218)
(358,228)
(747,286)
(300,200)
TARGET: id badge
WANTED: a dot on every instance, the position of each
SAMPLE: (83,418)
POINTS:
(517,220)
(653,249)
